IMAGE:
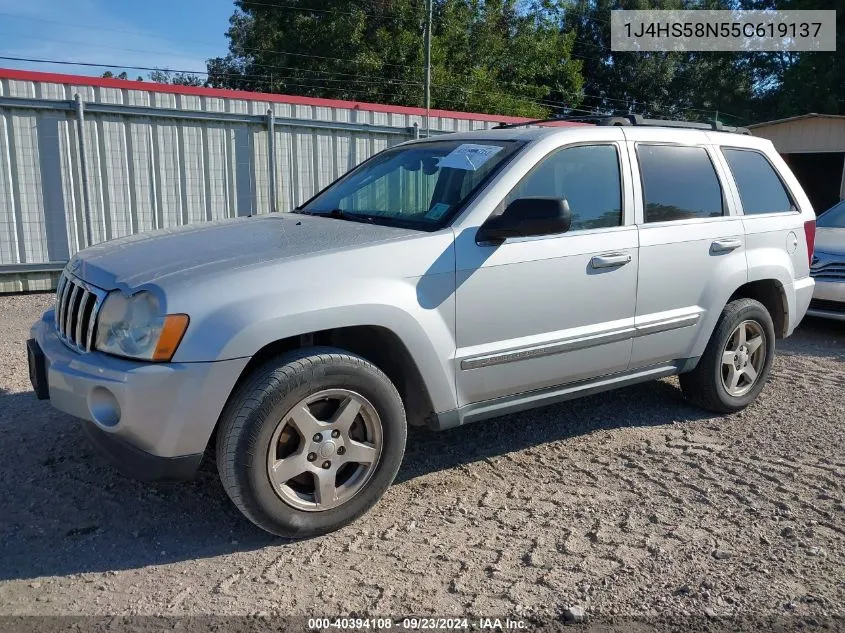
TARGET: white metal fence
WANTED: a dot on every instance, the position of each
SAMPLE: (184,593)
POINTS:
(85,160)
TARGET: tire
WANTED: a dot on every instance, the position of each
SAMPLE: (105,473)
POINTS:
(709,384)
(259,416)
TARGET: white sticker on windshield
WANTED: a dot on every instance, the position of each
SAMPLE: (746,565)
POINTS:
(437,211)
(469,156)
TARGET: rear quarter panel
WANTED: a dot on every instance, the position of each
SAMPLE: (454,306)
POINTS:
(775,243)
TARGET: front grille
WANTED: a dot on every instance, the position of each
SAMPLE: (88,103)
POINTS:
(77,305)
(828,270)
(827,306)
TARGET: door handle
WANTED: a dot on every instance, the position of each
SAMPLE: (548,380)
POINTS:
(725,246)
(610,260)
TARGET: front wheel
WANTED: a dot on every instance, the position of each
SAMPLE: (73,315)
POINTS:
(311,441)
(736,363)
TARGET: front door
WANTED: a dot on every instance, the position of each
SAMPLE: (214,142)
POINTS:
(545,311)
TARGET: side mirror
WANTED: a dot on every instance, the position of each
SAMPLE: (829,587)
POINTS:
(527,217)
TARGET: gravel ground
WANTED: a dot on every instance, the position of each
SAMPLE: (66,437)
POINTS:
(630,503)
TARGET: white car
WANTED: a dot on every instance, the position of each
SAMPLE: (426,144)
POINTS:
(828,267)
(443,281)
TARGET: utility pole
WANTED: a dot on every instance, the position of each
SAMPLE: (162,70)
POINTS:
(428,11)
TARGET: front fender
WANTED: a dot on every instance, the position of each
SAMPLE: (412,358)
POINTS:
(425,324)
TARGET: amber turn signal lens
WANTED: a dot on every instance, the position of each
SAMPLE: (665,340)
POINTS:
(171,335)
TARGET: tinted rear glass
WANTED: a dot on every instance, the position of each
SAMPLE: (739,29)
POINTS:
(760,188)
(679,183)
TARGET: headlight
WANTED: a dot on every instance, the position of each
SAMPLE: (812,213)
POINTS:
(134,327)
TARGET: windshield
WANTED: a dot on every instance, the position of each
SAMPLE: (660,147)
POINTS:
(833,218)
(421,185)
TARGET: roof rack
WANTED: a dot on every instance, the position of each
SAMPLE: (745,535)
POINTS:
(632,119)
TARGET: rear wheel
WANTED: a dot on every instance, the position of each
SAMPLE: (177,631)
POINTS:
(311,442)
(736,363)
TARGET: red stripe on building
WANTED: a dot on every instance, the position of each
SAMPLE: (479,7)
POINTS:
(127,84)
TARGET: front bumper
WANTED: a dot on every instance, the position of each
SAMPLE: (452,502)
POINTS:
(828,300)
(153,419)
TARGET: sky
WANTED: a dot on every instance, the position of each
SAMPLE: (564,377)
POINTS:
(171,34)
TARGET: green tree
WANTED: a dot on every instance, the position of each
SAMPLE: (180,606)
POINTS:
(811,81)
(735,87)
(176,78)
(682,85)
(487,56)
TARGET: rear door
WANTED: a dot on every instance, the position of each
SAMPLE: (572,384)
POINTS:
(692,244)
(776,245)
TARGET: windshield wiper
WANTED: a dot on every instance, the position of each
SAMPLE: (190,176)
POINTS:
(340,214)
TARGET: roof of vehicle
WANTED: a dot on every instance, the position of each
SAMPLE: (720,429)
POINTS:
(668,134)
(511,134)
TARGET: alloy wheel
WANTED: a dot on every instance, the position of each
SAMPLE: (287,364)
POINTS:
(324,450)
(743,358)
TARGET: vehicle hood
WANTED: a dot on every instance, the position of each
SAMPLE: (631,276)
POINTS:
(185,253)
(829,240)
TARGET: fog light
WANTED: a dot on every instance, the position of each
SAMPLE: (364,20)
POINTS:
(103,406)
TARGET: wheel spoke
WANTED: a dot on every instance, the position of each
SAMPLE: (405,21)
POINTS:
(346,414)
(286,469)
(754,344)
(733,378)
(325,491)
(306,423)
(728,358)
(751,373)
(360,453)
(741,335)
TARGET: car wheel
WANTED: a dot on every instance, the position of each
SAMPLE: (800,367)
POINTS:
(311,441)
(736,363)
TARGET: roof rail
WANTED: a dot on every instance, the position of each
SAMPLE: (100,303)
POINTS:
(634,119)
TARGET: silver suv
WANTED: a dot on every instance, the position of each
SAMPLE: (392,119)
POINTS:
(441,282)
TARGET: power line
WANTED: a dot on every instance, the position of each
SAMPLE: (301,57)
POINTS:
(243,49)
(264,80)
(175,39)
(260,64)
(261,82)
(90,64)
(205,43)
(250,3)
(270,66)
(381,78)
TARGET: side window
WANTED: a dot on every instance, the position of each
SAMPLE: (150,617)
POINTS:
(760,188)
(587,177)
(679,183)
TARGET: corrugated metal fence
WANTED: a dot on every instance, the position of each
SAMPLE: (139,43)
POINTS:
(84,160)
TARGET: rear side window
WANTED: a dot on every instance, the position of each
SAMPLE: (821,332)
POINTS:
(760,188)
(679,183)
(586,176)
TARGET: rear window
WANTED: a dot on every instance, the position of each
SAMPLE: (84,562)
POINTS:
(760,188)
(679,183)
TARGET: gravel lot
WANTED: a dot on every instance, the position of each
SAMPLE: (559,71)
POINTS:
(630,503)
